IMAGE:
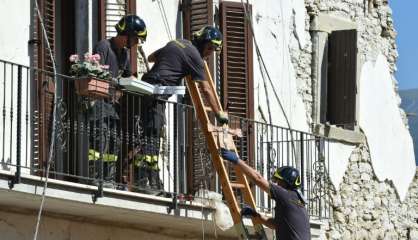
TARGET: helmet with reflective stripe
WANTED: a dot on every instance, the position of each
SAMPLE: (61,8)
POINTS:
(132,25)
(289,175)
(209,34)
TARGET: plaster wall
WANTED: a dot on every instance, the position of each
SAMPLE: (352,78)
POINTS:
(20,226)
(390,142)
(14,47)
(339,154)
(160,31)
(15,28)
(275,23)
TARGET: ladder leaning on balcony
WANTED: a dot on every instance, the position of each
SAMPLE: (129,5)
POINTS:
(218,162)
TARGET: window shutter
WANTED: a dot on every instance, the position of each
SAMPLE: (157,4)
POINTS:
(237,72)
(197,14)
(44,81)
(342,70)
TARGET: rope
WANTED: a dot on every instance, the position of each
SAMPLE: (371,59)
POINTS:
(52,146)
(262,63)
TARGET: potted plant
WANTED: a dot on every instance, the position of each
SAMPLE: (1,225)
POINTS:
(92,79)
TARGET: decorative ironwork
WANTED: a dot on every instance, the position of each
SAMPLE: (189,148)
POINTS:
(61,125)
(319,191)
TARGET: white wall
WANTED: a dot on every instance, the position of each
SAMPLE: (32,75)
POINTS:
(158,32)
(339,155)
(273,23)
(15,31)
(390,143)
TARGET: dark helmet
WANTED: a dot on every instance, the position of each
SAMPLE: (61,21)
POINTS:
(289,175)
(208,34)
(132,25)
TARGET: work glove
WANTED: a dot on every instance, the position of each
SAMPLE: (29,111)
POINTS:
(248,211)
(229,156)
(222,117)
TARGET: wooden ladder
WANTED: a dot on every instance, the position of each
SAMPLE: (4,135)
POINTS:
(218,162)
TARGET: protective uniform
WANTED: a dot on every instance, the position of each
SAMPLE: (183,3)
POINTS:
(174,61)
(104,140)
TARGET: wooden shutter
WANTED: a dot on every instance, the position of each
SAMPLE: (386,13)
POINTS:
(237,72)
(342,70)
(43,81)
(197,14)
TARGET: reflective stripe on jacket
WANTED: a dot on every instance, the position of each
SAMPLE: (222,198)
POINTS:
(107,157)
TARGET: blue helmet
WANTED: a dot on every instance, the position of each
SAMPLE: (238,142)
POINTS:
(209,34)
(289,175)
(132,25)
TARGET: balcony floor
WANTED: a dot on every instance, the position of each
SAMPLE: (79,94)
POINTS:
(73,201)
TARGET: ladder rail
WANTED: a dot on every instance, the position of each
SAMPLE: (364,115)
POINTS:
(218,162)
(248,197)
(220,168)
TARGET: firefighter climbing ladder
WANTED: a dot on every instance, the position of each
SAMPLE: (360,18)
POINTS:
(218,162)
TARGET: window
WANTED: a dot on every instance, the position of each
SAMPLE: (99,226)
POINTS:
(235,84)
(341,87)
(237,73)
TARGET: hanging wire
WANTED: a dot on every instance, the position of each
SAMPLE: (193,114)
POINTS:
(261,61)
(165,19)
(52,145)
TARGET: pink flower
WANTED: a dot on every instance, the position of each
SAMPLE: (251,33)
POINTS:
(105,67)
(74,58)
(95,57)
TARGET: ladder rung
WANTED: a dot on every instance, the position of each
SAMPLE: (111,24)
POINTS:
(237,185)
(208,109)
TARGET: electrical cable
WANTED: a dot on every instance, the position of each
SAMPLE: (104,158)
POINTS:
(260,57)
(52,145)
(165,19)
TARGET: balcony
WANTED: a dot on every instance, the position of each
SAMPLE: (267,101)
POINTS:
(95,162)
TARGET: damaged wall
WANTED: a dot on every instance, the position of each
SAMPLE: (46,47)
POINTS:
(375,195)
(367,208)
(376,37)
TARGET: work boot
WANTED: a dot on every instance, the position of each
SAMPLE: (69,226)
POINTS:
(143,173)
(109,173)
(155,183)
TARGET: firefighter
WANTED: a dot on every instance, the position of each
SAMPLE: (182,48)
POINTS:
(174,61)
(291,219)
(102,115)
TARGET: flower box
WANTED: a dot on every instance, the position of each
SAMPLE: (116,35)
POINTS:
(92,87)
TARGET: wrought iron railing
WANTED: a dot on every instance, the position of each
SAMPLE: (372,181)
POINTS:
(104,143)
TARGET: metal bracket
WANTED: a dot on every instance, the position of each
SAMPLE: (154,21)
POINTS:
(173,205)
(13,180)
(99,192)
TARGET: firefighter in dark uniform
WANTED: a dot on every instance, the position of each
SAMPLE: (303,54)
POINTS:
(172,63)
(102,115)
(291,220)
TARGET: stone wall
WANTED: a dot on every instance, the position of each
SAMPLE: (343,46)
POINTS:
(365,208)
